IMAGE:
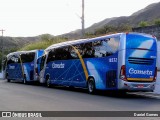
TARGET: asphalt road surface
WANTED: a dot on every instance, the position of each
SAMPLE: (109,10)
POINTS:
(20,97)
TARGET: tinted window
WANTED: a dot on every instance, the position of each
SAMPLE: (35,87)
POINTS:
(98,48)
(106,47)
(63,53)
(13,59)
(28,57)
(51,56)
(88,50)
(42,62)
(77,49)
(60,54)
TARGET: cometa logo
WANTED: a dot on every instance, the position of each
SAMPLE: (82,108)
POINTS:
(61,65)
(141,72)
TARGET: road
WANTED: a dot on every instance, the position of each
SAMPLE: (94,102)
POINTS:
(20,97)
(157,88)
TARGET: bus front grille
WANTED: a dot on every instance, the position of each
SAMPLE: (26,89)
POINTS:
(143,61)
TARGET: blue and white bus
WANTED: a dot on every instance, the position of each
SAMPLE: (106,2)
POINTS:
(158,55)
(21,66)
(122,61)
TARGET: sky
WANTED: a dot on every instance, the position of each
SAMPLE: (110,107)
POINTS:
(36,17)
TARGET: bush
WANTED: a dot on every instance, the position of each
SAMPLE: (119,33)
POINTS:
(157,22)
(143,24)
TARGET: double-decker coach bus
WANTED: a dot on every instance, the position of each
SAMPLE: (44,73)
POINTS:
(21,65)
(122,61)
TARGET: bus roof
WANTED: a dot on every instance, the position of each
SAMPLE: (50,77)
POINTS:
(21,52)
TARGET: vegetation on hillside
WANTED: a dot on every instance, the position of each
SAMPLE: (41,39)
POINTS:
(46,40)
(147,23)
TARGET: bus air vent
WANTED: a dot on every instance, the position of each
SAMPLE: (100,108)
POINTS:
(143,61)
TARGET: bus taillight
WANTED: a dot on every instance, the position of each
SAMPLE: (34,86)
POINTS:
(155,74)
(123,73)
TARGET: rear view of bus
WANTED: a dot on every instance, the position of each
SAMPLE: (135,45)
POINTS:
(137,62)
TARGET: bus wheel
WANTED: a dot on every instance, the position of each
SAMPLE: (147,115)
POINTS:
(24,80)
(91,86)
(8,80)
(48,83)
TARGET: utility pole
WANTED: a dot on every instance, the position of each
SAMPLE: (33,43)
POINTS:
(2,48)
(83,30)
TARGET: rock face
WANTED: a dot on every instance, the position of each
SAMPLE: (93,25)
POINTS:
(153,30)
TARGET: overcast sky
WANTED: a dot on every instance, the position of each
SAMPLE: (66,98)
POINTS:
(35,17)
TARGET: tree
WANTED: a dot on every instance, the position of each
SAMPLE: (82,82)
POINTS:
(46,37)
(143,24)
(157,22)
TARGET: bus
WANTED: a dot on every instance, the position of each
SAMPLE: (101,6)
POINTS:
(21,66)
(122,61)
(158,55)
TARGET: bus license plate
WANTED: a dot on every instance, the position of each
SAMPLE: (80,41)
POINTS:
(140,86)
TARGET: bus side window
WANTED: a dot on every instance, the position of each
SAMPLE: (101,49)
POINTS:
(88,50)
(63,53)
(72,52)
(27,57)
(106,47)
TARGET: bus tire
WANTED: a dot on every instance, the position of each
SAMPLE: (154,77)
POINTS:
(91,86)
(48,83)
(24,80)
(8,80)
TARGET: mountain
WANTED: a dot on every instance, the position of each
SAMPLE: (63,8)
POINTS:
(149,14)
(16,42)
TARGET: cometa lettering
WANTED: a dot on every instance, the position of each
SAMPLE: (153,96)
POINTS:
(142,72)
(61,65)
